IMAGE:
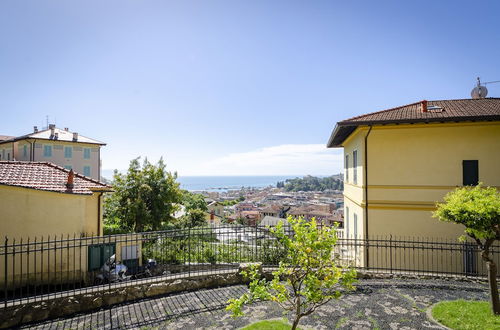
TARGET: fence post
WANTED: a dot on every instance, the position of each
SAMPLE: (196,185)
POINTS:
(390,250)
(5,272)
(189,251)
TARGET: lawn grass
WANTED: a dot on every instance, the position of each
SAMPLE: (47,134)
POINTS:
(462,314)
(269,325)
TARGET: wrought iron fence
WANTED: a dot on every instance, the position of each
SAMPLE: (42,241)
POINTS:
(43,268)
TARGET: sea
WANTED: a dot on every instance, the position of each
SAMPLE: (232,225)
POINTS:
(222,183)
(225,183)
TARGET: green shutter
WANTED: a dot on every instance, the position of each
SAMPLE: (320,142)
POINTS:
(470,172)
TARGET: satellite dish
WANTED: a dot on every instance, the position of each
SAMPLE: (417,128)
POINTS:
(479,92)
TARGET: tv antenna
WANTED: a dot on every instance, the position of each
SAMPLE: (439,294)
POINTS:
(480,91)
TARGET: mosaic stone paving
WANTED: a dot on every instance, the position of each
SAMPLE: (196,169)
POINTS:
(376,304)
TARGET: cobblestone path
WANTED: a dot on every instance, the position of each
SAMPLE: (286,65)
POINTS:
(376,304)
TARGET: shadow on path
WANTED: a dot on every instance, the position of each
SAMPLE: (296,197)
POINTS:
(150,312)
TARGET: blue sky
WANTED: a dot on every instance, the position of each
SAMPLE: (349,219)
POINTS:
(234,87)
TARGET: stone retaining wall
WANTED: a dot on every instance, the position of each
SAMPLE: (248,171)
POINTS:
(59,307)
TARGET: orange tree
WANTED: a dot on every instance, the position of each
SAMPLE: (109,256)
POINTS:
(306,279)
(478,209)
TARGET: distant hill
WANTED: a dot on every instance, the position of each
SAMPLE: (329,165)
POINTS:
(312,183)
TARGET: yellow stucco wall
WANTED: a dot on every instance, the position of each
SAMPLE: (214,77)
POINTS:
(410,168)
(29,213)
(42,216)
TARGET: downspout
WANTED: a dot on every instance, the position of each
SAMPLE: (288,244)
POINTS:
(98,163)
(367,255)
(99,197)
(32,158)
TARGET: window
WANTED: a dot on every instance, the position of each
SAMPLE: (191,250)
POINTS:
(86,153)
(47,151)
(68,152)
(25,151)
(355,225)
(470,172)
(355,166)
(346,222)
(86,171)
(68,167)
(346,168)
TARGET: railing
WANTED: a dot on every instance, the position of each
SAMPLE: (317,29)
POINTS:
(36,269)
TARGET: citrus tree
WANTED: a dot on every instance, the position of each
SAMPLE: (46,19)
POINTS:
(308,276)
(478,209)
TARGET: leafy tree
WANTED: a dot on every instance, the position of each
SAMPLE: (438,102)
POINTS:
(194,218)
(306,279)
(194,201)
(478,209)
(144,197)
(312,183)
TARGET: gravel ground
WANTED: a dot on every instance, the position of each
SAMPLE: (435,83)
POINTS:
(376,304)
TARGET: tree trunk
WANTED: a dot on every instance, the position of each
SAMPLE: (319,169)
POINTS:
(295,323)
(492,280)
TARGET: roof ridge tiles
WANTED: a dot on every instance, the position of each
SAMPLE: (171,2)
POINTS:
(345,121)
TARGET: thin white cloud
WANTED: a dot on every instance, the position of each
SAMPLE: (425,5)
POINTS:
(287,159)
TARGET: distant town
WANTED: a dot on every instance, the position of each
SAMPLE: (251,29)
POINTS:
(308,197)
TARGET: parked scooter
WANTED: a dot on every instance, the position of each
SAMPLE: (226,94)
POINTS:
(145,271)
(112,272)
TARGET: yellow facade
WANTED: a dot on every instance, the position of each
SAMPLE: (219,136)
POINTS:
(28,213)
(410,168)
(36,216)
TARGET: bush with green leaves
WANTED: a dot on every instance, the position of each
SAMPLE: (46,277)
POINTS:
(307,278)
(478,209)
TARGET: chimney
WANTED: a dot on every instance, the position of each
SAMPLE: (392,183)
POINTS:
(52,126)
(75,136)
(56,136)
(66,129)
(35,129)
(71,178)
(52,132)
(424,106)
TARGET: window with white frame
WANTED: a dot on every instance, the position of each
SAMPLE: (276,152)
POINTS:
(355,166)
(346,222)
(86,171)
(355,219)
(346,168)
(86,153)
(68,152)
(47,151)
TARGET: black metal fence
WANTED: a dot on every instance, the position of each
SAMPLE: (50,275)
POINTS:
(35,269)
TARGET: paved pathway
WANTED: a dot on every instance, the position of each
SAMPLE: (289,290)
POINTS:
(377,304)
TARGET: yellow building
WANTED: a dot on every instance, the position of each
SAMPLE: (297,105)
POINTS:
(58,146)
(42,204)
(399,162)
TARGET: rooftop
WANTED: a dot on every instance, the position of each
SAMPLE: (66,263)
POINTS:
(46,176)
(486,109)
(55,134)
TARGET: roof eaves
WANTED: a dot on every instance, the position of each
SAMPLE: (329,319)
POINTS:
(48,190)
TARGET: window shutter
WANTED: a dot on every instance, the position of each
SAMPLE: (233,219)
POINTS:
(470,172)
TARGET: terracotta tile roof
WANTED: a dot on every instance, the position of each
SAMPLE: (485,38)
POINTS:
(46,176)
(487,109)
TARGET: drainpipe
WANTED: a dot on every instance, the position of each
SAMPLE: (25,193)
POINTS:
(32,158)
(367,254)
(99,214)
